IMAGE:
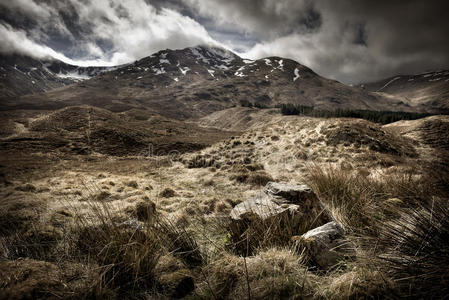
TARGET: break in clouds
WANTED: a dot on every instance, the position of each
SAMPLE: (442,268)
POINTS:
(348,40)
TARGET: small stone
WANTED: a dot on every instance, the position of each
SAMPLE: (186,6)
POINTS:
(323,244)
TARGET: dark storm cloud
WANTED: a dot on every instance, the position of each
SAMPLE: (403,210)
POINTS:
(263,18)
(96,32)
(348,40)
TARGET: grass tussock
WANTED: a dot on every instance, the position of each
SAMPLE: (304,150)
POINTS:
(416,251)
(359,201)
(271,274)
(361,282)
(252,174)
(119,254)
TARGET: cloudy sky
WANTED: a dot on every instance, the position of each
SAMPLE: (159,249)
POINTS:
(349,40)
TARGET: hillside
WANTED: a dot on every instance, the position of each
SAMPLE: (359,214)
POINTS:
(21,75)
(82,130)
(194,82)
(427,92)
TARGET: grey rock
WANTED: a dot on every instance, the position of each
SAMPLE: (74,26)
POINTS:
(283,209)
(324,244)
(295,193)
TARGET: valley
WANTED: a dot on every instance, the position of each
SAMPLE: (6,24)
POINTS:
(132,182)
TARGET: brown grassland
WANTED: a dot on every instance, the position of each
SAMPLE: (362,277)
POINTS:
(78,222)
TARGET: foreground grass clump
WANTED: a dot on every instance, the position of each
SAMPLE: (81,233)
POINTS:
(396,225)
(271,274)
(120,257)
(400,221)
(360,282)
(360,202)
(416,250)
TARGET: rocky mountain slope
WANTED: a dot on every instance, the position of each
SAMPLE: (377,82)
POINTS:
(21,75)
(428,91)
(194,82)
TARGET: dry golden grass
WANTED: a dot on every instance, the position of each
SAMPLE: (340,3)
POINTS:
(137,228)
(271,274)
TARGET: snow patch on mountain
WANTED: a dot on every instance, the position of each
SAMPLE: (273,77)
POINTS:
(184,70)
(281,65)
(220,53)
(239,72)
(388,83)
(73,75)
(196,52)
(158,71)
(296,72)
(223,67)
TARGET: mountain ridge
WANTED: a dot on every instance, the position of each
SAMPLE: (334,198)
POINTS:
(21,75)
(197,81)
(426,91)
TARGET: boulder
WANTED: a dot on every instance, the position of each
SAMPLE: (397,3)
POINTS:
(294,193)
(278,212)
(324,244)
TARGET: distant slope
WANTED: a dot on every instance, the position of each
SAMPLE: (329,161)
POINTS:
(238,118)
(21,75)
(431,131)
(427,91)
(86,130)
(197,81)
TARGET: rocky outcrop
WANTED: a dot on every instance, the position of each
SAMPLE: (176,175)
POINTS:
(278,212)
(324,244)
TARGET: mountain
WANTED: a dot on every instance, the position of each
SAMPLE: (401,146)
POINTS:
(427,91)
(21,75)
(197,81)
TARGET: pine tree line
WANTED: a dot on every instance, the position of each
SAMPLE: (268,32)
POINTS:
(383,117)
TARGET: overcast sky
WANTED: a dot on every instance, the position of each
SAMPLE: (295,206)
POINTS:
(349,40)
